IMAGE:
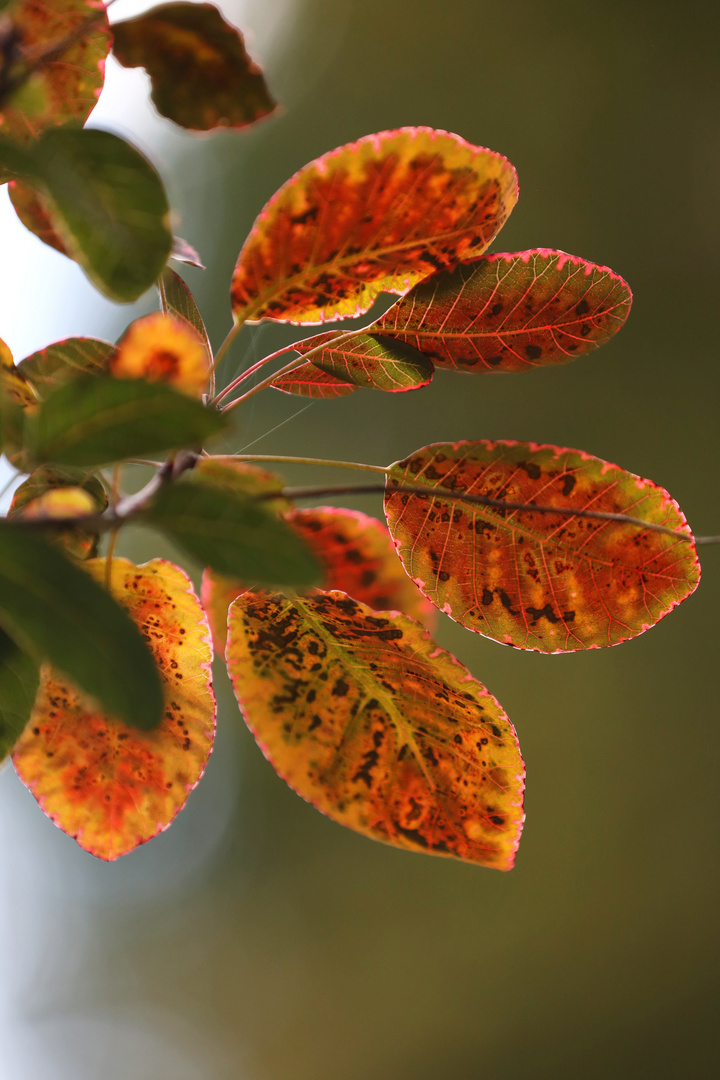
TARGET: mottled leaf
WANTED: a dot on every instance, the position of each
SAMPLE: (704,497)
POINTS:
(110,786)
(544,581)
(306,380)
(55,611)
(377,215)
(369,360)
(201,75)
(183,252)
(19,677)
(74,39)
(62,493)
(356,555)
(181,304)
(365,717)
(99,419)
(511,312)
(163,348)
(32,210)
(50,367)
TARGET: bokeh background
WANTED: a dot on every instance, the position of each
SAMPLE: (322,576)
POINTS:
(257,940)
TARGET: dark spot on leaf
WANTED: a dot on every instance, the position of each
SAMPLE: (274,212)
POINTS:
(568,484)
(533,352)
(582,308)
(532,469)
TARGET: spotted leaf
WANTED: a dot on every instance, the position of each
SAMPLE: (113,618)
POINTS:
(110,786)
(552,582)
(369,360)
(365,717)
(64,88)
(510,312)
(356,555)
(377,215)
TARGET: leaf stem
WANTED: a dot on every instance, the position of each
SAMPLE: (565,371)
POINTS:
(229,338)
(250,371)
(283,459)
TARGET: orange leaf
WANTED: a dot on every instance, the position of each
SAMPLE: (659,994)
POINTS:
(543,581)
(377,215)
(306,380)
(357,557)
(162,348)
(110,786)
(366,718)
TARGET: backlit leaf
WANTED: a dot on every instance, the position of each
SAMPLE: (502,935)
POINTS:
(369,360)
(162,348)
(511,312)
(30,207)
(55,611)
(201,75)
(233,533)
(357,556)
(50,367)
(19,678)
(64,89)
(183,252)
(377,215)
(181,304)
(225,471)
(110,786)
(365,717)
(62,493)
(542,581)
(306,380)
(99,419)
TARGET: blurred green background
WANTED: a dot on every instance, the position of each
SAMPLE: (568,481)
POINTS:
(256,940)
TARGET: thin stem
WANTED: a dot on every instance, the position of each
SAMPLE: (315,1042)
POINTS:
(231,335)
(283,459)
(250,371)
(707,539)
(109,557)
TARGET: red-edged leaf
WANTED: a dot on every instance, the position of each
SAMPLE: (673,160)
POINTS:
(357,556)
(32,211)
(306,380)
(511,312)
(377,215)
(369,360)
(365,717)
(110,786)
(543,581)
(48,368)
(64,89)
(202,77)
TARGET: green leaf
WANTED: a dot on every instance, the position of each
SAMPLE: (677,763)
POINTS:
(58,613)
(48,368)
(201,75)
(232,533)
(369,360)
(181,303)
(19,678)
(93,420)
(105,202)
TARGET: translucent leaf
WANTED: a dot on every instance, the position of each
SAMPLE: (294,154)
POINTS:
(306,380)
(110,786)
(162,348)
(49,368)
(93,420)
(369,360)
(511,312)
(19,678)
(30,207)
(233,533)
(55,611)
(357,556)
(62,493)
(542,581)
(201,75)
(181,304)
(64,89)
(183,252)
(373,216)
(365,717)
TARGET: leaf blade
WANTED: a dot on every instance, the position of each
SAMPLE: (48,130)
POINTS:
(372,361)
(19,680)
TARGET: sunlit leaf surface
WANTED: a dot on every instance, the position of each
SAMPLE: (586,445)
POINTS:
(365,717)
(542,581)
(110,786)
(372,216)
(511,312)
(50,367)
(201,75)
(369,360)
(64,89)
(163,348)
(357,556)
(306,380)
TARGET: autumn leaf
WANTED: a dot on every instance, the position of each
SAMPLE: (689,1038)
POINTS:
(48,368)
(357,556)
(307,380)
(377,215)
(62,493)
(368,719)
(368,360)
(543,581)
(201,75)
(110,786)
(63,89)
(510,312)
(163,348)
